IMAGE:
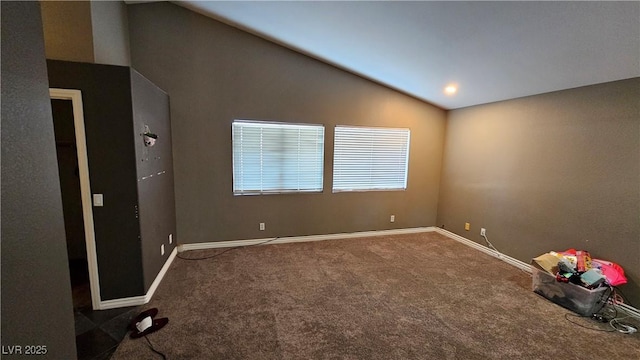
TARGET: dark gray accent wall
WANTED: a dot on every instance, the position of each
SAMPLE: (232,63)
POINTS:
(36,292)
(549,172)
(216,73)
(154,166)
(106,99)
(137,181)
(67,154)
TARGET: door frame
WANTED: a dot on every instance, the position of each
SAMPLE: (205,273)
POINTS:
(75,96)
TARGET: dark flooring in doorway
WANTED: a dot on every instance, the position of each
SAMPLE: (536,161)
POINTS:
(98,332)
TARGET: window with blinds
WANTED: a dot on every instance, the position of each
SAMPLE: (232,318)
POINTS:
(367,158)
(273,157)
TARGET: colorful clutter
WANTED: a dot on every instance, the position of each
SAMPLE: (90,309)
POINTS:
(613,272)
(577,267)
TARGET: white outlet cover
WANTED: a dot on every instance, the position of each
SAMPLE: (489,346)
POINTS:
(170,238)
(98,200)
(162,249)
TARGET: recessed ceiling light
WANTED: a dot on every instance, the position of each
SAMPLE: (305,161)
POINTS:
(450,89)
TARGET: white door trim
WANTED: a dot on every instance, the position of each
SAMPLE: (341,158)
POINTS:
(85,189)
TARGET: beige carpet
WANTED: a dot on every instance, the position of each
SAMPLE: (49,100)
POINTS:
(417,296)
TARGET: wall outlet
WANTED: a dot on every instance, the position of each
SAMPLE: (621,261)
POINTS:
(483,232)
(393,218)
(261,226)
(98,200)
(467,226)
(162,249)
(170,238)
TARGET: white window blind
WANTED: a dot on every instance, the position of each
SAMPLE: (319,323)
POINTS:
(370,158)
(270,157)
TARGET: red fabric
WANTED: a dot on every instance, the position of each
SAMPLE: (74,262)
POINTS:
(612,271)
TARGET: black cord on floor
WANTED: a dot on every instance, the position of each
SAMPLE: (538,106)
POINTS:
(566,316)
(227,250)
(153,349)
(614,322)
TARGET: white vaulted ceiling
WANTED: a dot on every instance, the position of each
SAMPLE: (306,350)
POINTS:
(492,50)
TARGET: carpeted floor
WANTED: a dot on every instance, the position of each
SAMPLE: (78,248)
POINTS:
(416,296)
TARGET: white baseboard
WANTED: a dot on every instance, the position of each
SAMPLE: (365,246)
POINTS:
(161,274)
(143,299)
(305,238)
(627,309)
(123,302)
(508,259)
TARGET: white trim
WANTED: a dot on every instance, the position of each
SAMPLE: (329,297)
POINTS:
(508,259)
(123,302)
(85,188)
(295,239)
(629,310)
(143,299)
(161,274)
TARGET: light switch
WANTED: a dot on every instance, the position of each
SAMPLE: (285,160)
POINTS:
(98,200)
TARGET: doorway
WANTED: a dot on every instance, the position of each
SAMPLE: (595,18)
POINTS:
(73,168)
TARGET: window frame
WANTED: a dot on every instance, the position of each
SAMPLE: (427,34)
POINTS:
(336,167)
(270,190)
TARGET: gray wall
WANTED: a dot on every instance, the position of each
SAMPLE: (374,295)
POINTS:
(216,73)
(154,167)
(108,116)
(110,32)
(549,172)
(139,210)
(68,31)
(36,293)
(86,31)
